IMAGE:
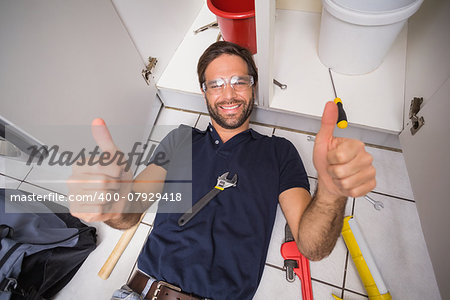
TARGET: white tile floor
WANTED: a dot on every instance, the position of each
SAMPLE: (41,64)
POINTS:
(393,234)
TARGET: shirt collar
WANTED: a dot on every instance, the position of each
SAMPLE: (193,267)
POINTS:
(255,135)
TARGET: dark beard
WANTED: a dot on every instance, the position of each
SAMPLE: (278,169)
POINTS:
(223,122)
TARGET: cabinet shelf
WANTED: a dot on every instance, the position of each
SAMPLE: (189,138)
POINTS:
(374,100)
(181,72)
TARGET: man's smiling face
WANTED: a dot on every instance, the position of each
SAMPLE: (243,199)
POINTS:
(229,109)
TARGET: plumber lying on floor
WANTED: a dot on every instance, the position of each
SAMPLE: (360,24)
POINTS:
(218,249)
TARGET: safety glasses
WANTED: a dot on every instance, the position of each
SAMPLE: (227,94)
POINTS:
(238,83)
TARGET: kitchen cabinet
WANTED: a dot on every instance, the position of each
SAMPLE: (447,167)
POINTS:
(374,102)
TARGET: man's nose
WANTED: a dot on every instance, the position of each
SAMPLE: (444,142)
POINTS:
(228,91)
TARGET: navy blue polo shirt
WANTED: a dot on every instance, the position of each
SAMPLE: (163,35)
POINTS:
(220,253)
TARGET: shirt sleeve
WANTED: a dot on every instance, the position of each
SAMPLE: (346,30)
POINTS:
(292,171)
(177,141)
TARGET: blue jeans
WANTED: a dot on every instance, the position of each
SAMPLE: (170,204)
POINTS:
(125,293)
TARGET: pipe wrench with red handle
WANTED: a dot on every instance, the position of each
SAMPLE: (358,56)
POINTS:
(296,263)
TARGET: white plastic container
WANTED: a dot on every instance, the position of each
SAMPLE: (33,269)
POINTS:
(355,35)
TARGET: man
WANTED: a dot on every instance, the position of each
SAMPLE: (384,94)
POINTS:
(220,252)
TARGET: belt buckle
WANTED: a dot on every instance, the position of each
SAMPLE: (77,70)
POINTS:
(166,284)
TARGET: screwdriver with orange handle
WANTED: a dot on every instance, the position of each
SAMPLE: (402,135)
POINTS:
(342,117)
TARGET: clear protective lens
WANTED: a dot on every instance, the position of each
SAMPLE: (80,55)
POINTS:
(216,84)
(238,83)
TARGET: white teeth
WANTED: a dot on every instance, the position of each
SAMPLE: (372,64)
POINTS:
(230,107)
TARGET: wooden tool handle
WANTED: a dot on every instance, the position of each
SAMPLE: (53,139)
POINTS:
(120,247)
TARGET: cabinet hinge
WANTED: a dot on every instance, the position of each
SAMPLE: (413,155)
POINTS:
(8,149)
(149,69)
(416,122)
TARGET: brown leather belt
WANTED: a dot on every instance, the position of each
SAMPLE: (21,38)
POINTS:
(159,290)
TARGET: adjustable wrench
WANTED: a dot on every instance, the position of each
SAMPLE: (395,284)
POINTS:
(222,183)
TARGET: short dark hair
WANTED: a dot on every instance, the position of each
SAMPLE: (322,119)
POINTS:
(222,47)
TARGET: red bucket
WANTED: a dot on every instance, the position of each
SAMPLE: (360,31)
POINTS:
(236,20)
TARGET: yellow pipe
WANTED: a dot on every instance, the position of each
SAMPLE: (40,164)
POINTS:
(357,246)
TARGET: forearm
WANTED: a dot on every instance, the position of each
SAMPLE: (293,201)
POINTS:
(125,221)
(321,224)
(150,180)
(126,214)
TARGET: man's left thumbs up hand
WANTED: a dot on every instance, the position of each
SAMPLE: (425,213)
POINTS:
(344,167)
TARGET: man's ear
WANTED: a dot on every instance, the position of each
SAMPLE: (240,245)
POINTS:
(201,90)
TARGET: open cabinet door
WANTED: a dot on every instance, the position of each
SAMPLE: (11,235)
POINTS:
(427,152)
(64,63)
(427,156)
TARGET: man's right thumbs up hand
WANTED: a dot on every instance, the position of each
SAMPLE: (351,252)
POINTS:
(343,165)
(98,192)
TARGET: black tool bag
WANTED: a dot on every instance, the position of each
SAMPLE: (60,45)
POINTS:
(40,250)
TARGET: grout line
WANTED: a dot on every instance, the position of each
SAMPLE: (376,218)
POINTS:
(312,279)
(148,224)
(327,283)
(274,266)
(353,206)
(375,192)
(393,196)
(154,141)
(355,292)
(23,180)
(10,177)
(28,173)
(198,119)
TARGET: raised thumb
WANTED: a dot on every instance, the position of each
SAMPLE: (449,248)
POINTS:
(329,119)
(102,136)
